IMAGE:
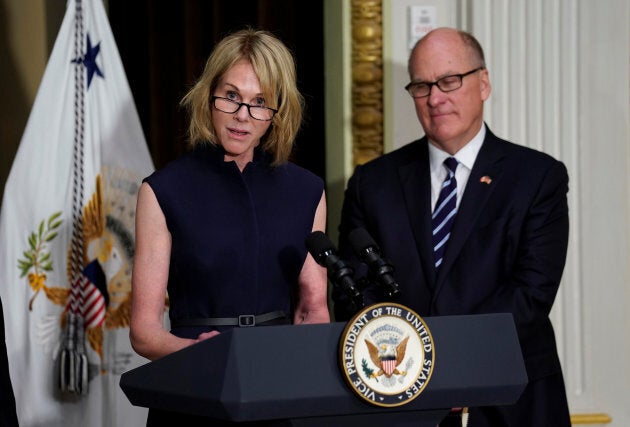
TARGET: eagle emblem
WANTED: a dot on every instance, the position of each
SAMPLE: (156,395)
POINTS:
(386,354)
(387,357)
(102,293)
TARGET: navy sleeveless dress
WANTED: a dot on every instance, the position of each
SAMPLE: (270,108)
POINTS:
(238,238)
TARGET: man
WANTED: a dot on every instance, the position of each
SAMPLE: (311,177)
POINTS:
(507,214)
(8,414)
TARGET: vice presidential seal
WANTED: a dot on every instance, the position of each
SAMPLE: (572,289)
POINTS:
(387,354)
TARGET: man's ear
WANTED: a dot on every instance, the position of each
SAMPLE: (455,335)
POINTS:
(484,81)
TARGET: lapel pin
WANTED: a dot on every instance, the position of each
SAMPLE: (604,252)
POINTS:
(486,179)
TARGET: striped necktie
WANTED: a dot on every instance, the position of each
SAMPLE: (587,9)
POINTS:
(444,212)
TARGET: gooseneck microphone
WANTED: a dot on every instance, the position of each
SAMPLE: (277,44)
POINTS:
(379,269)
(339,273)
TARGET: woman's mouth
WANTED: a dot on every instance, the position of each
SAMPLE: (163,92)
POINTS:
(237,132)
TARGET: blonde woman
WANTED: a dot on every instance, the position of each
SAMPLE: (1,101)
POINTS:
(222,228)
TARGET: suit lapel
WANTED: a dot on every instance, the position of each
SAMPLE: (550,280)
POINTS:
(415,181)
(484,177)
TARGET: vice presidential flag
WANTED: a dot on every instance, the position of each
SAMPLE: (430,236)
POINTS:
(67,234)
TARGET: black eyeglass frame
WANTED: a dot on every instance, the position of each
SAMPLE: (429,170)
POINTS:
(238,106)
(437,83)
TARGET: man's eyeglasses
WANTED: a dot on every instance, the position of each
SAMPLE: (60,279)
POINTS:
(228,106)
(445,84)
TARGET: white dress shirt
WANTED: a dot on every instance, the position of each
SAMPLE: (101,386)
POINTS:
(465,156)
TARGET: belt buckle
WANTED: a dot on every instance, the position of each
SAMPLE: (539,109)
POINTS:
(246,320)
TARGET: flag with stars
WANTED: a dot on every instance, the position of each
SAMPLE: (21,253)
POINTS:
(67,234)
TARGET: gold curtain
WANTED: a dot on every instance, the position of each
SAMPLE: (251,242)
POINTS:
(367,80)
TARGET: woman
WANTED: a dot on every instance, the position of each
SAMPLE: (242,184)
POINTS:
(222,228)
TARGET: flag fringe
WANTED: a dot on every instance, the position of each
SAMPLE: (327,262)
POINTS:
(73,363)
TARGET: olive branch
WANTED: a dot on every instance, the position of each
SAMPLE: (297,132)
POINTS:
(37,257)
(367,370)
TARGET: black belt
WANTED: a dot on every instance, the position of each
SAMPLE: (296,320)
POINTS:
(244,320)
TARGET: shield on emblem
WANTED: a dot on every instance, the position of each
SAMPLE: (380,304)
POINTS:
(388,365)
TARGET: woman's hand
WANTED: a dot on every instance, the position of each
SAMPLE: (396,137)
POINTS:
(206,335)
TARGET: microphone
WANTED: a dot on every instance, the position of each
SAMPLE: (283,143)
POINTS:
(366,248)
(339,273)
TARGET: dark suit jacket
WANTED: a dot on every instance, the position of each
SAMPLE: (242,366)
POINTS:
(8,416)
(507,248)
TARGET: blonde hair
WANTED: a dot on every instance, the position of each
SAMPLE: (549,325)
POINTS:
(274,65)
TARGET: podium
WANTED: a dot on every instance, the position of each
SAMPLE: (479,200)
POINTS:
(290,375)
